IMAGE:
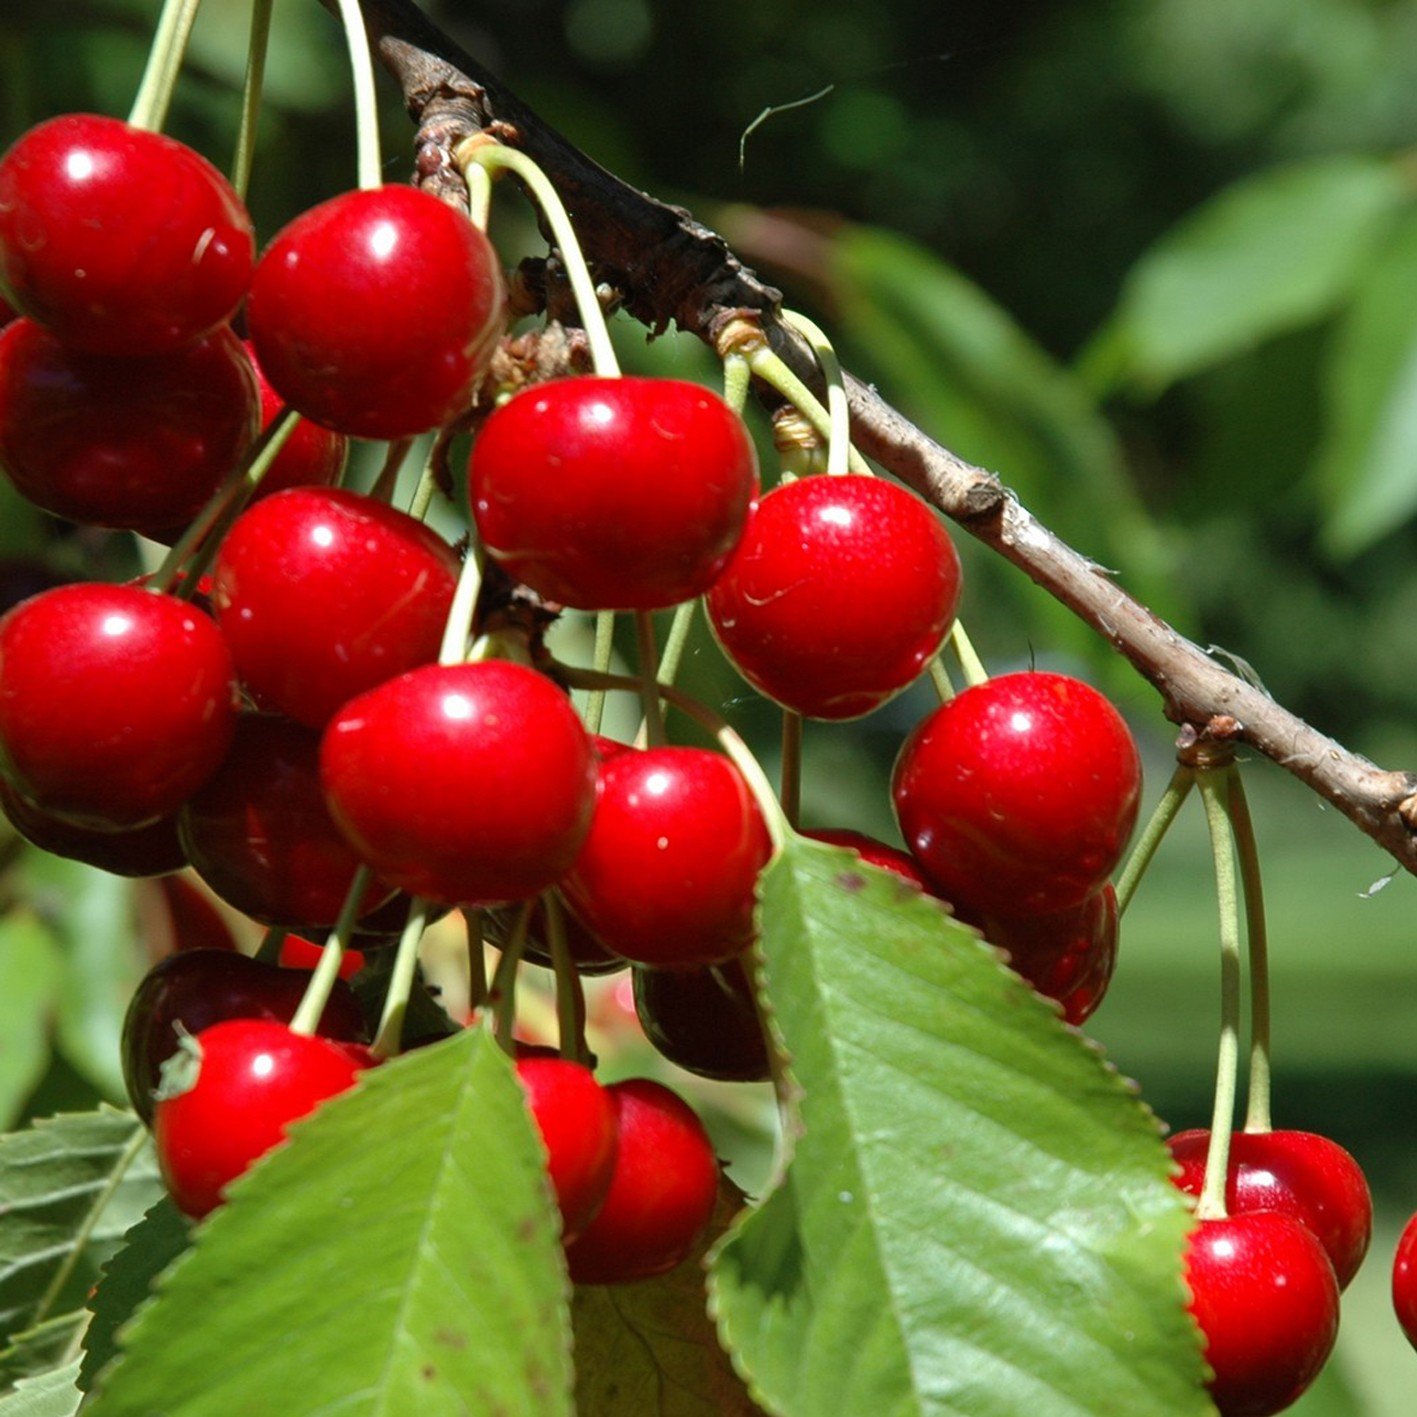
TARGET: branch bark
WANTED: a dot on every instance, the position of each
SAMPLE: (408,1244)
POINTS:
(666,267)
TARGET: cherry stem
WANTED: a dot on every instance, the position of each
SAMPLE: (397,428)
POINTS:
(322,981)
(600,662)
(387,480)
(154,96)
(479,194)
(272,942)
(737,378)
(1214,793)
(790,783)
(366,108)
(251,91)
(671,656)
(653,726)
(488,153)
(476,960)
(969,661)
(1177,790)
(458,628)
(940,678)
(1257,1108)
(503,992)
(570,994)
(838,414)
(422,497)
(389,1038)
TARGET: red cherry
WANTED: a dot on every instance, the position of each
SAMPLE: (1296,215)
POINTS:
(662,1191)
(140,851)
(195,922)
(323,593)
(133,443)
(704,1020)
(1018,796)
(465,783)
(310,457)
(667,874)
(876,853)
(296,952)
(840,593)
(254,1078)
(1264,1295)
(115,704)
(119,240)
(1301,1174)
(577,1121)
(7,312)
(1404,1281)
(375,313)
(259,833)
(198,988)
(613,494)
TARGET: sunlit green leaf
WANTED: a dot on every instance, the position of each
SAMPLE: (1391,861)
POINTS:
(51,1394)
(47,1345)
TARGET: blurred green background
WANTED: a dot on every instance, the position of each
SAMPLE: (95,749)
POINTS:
(1154,261)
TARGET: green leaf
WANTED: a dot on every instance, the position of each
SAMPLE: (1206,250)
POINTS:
(51,1394)
(651,1349)
(154,1243)
(69,1188)
(30,970)
(1271,253)
(1367,464)
(42,1347)
(977,1218)
(399,1256)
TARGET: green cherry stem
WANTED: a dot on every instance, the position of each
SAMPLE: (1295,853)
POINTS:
(601,656)
(387,480)
(1257,1107)
(737,377)
(476,960)
(458,628)
(272,942)
(154,96)
(366,108)
(1177,790)
(670,657)
(479,194)
(488,153)
(389,1038)
(422,497)
(322,981)
(648,658)
(838,414)
(503,992)
(570,993)
(1215,795)
(251,91)
(940,678)
(969,661)
(790,778)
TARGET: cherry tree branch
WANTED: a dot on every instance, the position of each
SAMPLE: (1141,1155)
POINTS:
(665,267)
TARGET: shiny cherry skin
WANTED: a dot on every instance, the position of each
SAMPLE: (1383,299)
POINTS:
(1018,796)
(840,593)
(120,241)
(198,988)
(668,872)
(613,493)
(1404,1281)
(323,593)
(577,1121)
(153,850)
(115,704)
(137,444)
(704,1020)
(464,783)
(254,1078)
(1266,1300)
(662,1191)
(259,834)
(376,312)
(1299,1173)
(310,457)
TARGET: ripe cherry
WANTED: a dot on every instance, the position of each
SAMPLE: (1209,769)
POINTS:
(323,593)
(840,593)
(310,457)
(465,783)
(1299,1173)
(1265,1297)
(375,313)
(577,1121)
(253,1079)
(194,921)
(296,952)
(1404,1281)
(704,1020)
(115,704)
(876,853)
(198,988)
(662,1191)
(613,494)
(139,444)
(121,241)
(667,875)
(1018,796)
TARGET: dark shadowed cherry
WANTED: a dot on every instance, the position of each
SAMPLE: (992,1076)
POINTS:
(152,850)
(24,576)
(198,988)
(1018,796)
(1404,1281)
(296,952)
(375,313)
(840,593)
(310,457)
(195,922)
(588,955)
(139,444)
(253,1078)
(323,593)
(259,834)
(613,494)
(704,1020)
(1300,1173)
(115,704)
(121,241)
(1265,1297)
(465,783)
(7,312)
(662,1190)
(667,874)
(577,1121)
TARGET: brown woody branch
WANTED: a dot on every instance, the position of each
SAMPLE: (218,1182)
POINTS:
(665,267)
